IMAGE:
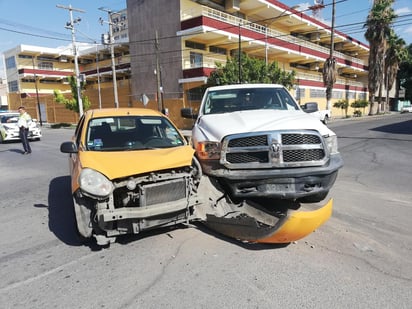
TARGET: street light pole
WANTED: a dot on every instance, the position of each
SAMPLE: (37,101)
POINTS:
(70,25)
(111,43)
(37,92)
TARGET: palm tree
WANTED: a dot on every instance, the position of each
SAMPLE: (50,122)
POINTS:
(395,54)
(378,26)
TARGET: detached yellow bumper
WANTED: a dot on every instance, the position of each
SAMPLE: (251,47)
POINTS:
(247,224)
(299,224)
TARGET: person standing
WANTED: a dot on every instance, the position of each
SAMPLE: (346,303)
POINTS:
(23,124)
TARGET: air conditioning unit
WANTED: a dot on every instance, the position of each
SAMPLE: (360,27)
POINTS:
(232,6)
(63,59)
(314,66)
(315,36)
(338,46)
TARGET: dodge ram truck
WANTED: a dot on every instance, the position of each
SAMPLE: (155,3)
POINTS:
(259,148)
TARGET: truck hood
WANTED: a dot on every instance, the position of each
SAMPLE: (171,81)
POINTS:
(118,164)
(215,127)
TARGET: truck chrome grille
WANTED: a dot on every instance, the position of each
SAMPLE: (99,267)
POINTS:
(259,140)
(303,155)
(300,139)
(273,149)
(261,157)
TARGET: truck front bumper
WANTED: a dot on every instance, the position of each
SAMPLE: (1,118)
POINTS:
(283,183)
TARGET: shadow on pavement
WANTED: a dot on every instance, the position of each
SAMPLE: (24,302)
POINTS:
(404,127)
(61,213)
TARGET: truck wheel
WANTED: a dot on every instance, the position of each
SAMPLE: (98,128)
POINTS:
(314,198)
(326,120)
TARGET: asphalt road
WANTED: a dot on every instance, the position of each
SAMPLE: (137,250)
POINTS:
(361,257)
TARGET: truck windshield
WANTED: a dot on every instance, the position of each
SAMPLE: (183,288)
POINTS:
(233,100)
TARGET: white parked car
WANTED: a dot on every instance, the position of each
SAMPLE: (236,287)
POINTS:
(9,131)
(312,109)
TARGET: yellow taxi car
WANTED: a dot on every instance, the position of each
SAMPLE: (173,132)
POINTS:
(131,170)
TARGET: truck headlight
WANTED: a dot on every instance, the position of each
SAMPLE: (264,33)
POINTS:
(95,183)
(208,150)
(332,144)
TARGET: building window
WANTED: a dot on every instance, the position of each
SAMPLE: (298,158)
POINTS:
(195,45)
(10,62)
(13,86)
(45,65)
(25,57)
(217,50)
(50,81)
(28,80)
(196,60)
(195,94)
(46,58)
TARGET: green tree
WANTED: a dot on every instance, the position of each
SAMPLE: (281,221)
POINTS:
(405,74)
(253,70)
(395,54)
(378,29)
(73,103)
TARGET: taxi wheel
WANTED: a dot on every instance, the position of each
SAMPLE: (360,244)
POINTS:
(83,214)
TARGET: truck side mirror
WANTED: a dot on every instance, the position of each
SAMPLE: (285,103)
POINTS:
(310,107)
(188,113)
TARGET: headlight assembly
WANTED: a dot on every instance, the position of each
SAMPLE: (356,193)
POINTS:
(332,144)
(208,150)
(95,183)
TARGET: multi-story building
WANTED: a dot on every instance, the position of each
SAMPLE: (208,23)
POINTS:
(192,35)
(33,74)
(3,95)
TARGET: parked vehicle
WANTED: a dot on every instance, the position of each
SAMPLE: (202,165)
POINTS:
(312,109)
(9,131)
(406,107)
(256,145)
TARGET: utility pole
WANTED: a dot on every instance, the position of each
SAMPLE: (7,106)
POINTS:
(240,55)
(111,43)
(37,92)
(70,25)
(158,77)
(329,68)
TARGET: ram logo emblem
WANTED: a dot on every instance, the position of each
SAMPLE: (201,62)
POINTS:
(275,150)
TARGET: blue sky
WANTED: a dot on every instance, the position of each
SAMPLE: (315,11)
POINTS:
(42,23)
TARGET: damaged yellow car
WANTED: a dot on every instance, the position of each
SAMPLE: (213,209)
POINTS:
(132,170)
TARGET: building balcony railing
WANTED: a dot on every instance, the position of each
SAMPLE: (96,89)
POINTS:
(266,31)
(319,78)
(210,63)
(105,63)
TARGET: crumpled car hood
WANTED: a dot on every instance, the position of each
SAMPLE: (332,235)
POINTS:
(215,127)
(118,164)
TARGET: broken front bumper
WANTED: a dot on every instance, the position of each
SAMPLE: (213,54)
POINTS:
(288,228)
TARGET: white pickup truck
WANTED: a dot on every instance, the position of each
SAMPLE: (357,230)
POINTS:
(312,109)
(255,141)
